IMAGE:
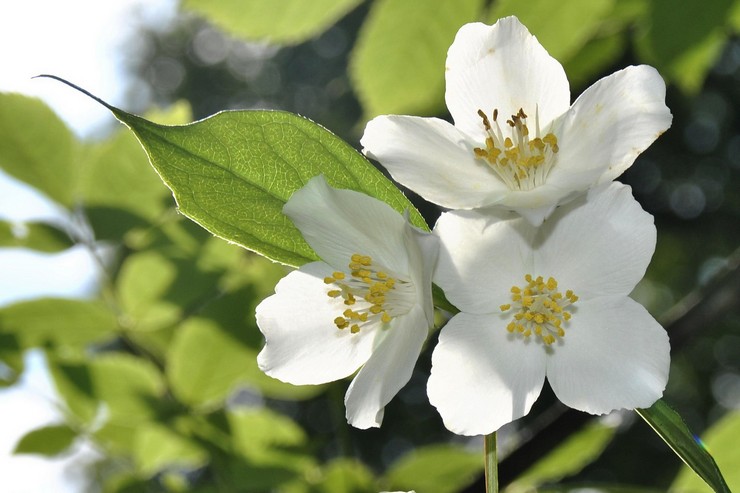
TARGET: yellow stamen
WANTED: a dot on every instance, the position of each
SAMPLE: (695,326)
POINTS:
(540,308)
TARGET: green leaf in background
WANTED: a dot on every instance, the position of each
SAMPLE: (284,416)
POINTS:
(562,27)
(671,428)
(398,63)
(66,324)
(579,450)
(129,387)
(35,236)
(723,441)
(37,148)
(346,475)
(48,441)
(595,57)
(11,359)
(158,447)
(434,469)
(277,21)
(684,58)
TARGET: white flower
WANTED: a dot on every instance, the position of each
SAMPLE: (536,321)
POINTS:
(516,142)
(368,304)
(549,301)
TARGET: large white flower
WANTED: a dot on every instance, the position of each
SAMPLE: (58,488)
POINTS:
(548,302)
(368,304)
(516,142)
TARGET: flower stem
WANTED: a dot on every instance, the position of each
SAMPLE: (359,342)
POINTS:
(491,463)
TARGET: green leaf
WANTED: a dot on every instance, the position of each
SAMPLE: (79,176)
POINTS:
(37,148)
(562,27)
(130,387)
(671,428)
(579,450)
(594,58)
(434,469)
(683,39)
(398,63)
(36,236)
(722,440)
(347,475)
(158,447)
(11,359)
(67,324)
(233,172)
(48,441)
(278,21)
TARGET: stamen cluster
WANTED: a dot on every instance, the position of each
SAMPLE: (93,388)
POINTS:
(539,308)
(365,284)
(522,163)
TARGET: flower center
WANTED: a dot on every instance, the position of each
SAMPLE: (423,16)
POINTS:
(371,294)
(539,308)
(522,163)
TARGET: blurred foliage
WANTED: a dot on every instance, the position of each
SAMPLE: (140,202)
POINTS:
(159,369)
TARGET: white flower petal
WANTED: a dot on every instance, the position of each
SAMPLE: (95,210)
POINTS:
(611,123)
(339,223)
(387,371)
(423,251)
(482,255)
(434,159)
(614,356)
(303,346)
(482,376)
(502,66)
(599,246)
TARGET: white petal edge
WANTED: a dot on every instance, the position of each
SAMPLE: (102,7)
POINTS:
(482,255)
(303,346)
(597,245)
(434,159)
(338,223)
(611,123)
(387,371)
(483,377)
(614,356)
(502,66)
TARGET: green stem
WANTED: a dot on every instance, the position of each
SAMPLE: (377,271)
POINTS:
(491,463)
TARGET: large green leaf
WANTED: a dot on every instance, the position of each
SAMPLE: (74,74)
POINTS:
(36,236)
(671,428)
(562,27)
(48,440)
(723,440)
(434,469)
(66,324)
(398,63)
(279,21)
(579,450)
(233,172)
(37,148)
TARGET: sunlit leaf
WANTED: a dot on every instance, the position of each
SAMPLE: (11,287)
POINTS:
(278,21)
(36,236)
(597,55)
(37,148)
(70,325)
(722,441)
(687,57)
(579,450)
(671,428)
(158,447)
(562,27)
(48,441)
(434,469)
(398,63)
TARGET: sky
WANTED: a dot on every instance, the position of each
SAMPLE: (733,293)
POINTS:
(81,41)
